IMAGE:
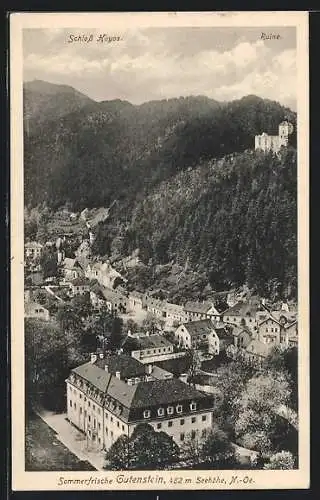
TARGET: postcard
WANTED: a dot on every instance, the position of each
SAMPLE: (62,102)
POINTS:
(159,259)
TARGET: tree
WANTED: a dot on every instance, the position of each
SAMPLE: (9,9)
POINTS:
(282,460)
(49,263)
(256,410)
(195,363)
(46,363)
(217,446)
(145,449)
(152,324)
(118,454)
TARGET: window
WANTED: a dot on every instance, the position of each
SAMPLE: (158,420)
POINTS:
(193,420)
(89,418)
(89,404)
(204,432)
(71,403)
(94,423)
(111,419)
(182,421)
(85,413)
(170,410)
(146,413)
(193,406)
(85,399)
(179,408)
(118,423)
(99,426)
(98,411)
(93,407)
(123,427)
(159,426)
(161,412)
(80,395)
(80,410)
(75,406)
(182,436)
(204,418)
(193,434)
(111,433)
(107,430)
(170,423)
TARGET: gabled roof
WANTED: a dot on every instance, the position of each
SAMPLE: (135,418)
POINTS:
(162,392)
(126,365)
(199,327)
(94,375)
(259,348)
(269,318)
(173,308)
(241,309)
(197,307)
(147,342)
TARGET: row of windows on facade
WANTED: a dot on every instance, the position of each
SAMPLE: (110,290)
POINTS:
(146,413)
(228,318)
(159,424)
(155,351)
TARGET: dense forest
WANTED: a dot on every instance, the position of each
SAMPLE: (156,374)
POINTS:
(188,185)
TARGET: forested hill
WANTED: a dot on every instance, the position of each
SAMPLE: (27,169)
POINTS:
(188,184)
(113,149)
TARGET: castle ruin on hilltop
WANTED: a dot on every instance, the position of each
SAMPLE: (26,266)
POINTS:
(274,143)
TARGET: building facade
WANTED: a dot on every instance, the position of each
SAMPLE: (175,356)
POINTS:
(105,407)
(274,143)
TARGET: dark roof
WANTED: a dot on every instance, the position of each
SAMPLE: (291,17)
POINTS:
(199,327)
(241,309)
(126,365)
(197,307)
(94,375)
(81,282)
(147,342)
(176,366)
(160,392)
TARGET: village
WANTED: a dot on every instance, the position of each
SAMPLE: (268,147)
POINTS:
(147,378)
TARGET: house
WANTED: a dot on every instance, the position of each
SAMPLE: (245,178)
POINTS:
(224,334)
(104,273)
(156,307)
(269,331)
(71,269)
(242,337)
(36,311)
(289,334)
(256,352)
(241,314)
(173,314)
(104,406)
(32,250)
(149,348)
(195,334)
(135,301)
(198,310)
(97,298)
(79,286)
(115,301)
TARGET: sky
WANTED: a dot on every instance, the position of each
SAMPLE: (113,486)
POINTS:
(160,63)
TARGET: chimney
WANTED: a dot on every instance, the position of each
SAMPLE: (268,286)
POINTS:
(149,369)
(118,375)
(93,357)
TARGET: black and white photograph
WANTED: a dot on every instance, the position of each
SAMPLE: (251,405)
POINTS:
(161,223)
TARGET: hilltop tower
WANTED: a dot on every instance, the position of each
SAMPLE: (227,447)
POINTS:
(285,129)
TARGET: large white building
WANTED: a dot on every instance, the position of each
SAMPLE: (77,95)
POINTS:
(104,406)
(273,143)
